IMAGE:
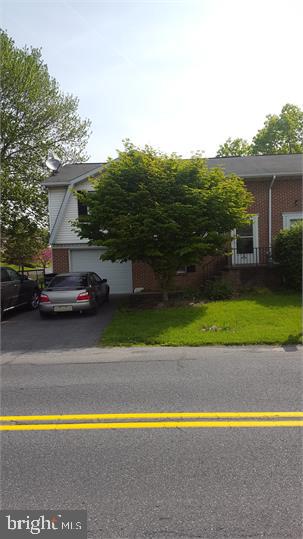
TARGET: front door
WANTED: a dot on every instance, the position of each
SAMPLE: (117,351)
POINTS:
(245,244)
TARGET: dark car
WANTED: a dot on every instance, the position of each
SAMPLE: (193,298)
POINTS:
(78,291)
(17,290)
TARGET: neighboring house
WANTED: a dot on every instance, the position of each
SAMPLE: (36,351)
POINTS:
(275,181)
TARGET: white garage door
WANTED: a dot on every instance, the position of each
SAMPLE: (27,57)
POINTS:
(119,276)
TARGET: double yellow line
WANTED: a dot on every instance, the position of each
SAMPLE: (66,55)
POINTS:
(161,420)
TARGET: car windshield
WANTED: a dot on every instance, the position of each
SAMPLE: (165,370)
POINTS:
(69,281)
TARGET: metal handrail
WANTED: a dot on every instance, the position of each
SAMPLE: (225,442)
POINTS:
(260,256)
(213,266)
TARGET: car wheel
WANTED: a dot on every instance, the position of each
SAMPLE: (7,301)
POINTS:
(107,296)
(34,302)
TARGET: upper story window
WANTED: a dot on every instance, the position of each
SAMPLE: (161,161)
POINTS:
(291,218)
(82,208)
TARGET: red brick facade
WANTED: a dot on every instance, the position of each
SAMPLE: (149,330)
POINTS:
(143,276)
(60,260)
(286,197)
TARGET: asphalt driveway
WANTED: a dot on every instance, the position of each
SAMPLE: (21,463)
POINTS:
(23,331)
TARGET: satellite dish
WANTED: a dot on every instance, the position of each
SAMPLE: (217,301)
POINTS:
(52,163)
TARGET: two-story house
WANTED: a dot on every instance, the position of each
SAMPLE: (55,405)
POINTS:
(274,180)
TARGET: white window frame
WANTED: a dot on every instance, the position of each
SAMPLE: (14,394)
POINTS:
(239,259)
(289,216)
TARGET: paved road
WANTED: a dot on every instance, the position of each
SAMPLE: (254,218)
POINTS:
(178,483)
(23,331)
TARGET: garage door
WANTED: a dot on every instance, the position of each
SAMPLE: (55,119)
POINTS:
(119,276)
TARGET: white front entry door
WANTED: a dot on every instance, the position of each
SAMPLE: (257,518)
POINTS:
(245,244)
(119,276)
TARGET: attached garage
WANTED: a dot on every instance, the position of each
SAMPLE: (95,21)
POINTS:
(118,275)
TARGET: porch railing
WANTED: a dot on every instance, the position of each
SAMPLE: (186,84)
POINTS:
(260,256)
(213,266)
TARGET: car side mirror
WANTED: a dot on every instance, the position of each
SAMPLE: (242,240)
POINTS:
(104,280)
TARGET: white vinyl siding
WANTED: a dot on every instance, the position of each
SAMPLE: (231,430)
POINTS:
(55,199)
(65,234)
(119,276)
(85,186)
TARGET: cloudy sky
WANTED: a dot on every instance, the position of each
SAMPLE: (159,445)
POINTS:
(182,75)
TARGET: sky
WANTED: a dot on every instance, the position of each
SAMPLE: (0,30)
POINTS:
(180,75)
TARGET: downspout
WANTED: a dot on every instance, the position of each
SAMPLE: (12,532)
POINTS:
(270,217)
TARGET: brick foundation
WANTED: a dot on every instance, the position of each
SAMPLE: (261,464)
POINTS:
(60,260)
(143,276)
(268,276)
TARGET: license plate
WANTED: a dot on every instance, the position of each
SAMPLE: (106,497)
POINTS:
(62,308)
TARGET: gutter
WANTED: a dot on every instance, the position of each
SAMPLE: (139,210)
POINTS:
(270,215)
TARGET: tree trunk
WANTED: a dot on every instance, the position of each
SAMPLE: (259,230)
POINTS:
(165,280)
(165,296)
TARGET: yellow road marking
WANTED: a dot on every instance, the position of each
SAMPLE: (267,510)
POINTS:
(150,415)
(153,425)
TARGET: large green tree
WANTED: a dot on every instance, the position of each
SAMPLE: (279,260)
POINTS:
(161,209)
(36,117)
(281,134)
(235,147)
(21,243)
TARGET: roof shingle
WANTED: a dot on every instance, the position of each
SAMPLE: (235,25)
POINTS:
(260,165)
(70,172)
(255,166)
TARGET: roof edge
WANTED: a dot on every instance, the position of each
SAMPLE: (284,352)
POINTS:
(75,180)
(253,156)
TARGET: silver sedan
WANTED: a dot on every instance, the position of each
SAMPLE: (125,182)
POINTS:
(69,292)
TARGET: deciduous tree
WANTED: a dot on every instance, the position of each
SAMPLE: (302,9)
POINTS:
(44,257)
(236,147)
(281,134)
(35,117)
(22,241)
(163,210)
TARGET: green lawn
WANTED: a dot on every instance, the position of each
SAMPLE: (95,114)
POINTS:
(16,268)
(269,318)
